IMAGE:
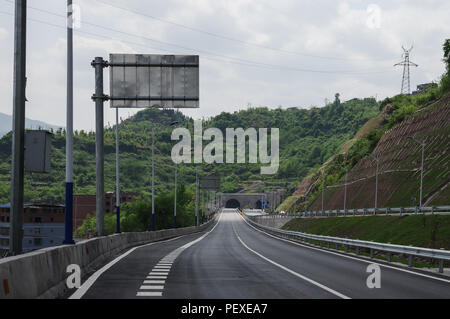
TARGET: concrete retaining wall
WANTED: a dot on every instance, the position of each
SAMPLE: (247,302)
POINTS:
(42,273)
(274,221)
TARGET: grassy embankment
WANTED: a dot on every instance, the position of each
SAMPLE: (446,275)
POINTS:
(431,231)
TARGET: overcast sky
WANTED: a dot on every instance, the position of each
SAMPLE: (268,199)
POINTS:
(289,53)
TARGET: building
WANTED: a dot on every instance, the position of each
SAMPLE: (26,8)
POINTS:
(85,205)
(43,223)
(423,88)
(43,226)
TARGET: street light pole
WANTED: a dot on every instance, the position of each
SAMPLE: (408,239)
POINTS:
(323,188)
(345,193)
(421,143)
(377,159)
(153,178)
(175,201)
(117,175)
(68,233)
(196,197)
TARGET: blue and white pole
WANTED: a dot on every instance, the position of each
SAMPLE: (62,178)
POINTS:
(68,238)
(117,175)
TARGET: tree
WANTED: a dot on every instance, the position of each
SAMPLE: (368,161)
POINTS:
(446,59)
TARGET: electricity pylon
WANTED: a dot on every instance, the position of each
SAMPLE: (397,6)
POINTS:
(406,64)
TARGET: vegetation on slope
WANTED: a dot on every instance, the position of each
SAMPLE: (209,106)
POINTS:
(307,138)
(394,111)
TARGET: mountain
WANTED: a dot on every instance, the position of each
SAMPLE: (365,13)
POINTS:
(6,124)
(308,137)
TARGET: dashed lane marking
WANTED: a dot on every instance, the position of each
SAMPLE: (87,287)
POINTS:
(162,268)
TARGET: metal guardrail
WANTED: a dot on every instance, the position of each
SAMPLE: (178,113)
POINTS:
(439,254)
(371,211)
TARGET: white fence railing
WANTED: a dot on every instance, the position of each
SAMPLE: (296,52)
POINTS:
(438,254)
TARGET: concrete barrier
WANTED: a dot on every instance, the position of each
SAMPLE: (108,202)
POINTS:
(275,221)
(42,273)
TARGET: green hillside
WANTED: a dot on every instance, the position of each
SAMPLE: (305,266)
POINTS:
(307,139)
(425,117)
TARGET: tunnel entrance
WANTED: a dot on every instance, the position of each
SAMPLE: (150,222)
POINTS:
(232,203)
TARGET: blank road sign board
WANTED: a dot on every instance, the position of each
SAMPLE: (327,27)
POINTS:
(210,182)
(150,80)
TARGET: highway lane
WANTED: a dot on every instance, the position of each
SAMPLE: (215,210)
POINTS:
(236,261)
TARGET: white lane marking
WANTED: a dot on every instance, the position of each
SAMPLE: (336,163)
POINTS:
(90,281)
(170,258)
(153,282)
(346,256)
(334,292)
(161,268)
(156,277)
(149,294)
(164,265)
(158,273)
(152,288)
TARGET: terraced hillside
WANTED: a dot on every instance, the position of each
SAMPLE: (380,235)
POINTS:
(399,166)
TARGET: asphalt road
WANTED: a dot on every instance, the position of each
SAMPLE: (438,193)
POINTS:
(235,261)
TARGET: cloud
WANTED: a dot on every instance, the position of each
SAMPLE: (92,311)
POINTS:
(296,35)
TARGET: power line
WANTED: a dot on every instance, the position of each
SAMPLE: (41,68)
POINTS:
(208,52)
(238,61)
(230,38)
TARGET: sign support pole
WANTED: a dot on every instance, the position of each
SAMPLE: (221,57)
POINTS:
(99,99)
(18,138)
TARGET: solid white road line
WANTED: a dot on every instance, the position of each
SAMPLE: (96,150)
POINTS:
(158,273)
(346,256)
(334,292)
(149,294)
(156,277)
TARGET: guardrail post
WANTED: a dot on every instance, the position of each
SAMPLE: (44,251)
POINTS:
(432,210)
(389,256)
(410,261)
(441,264)
(337,246)
(357,250)
(364,212)
(328,245)
(401,211)
(371,253)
